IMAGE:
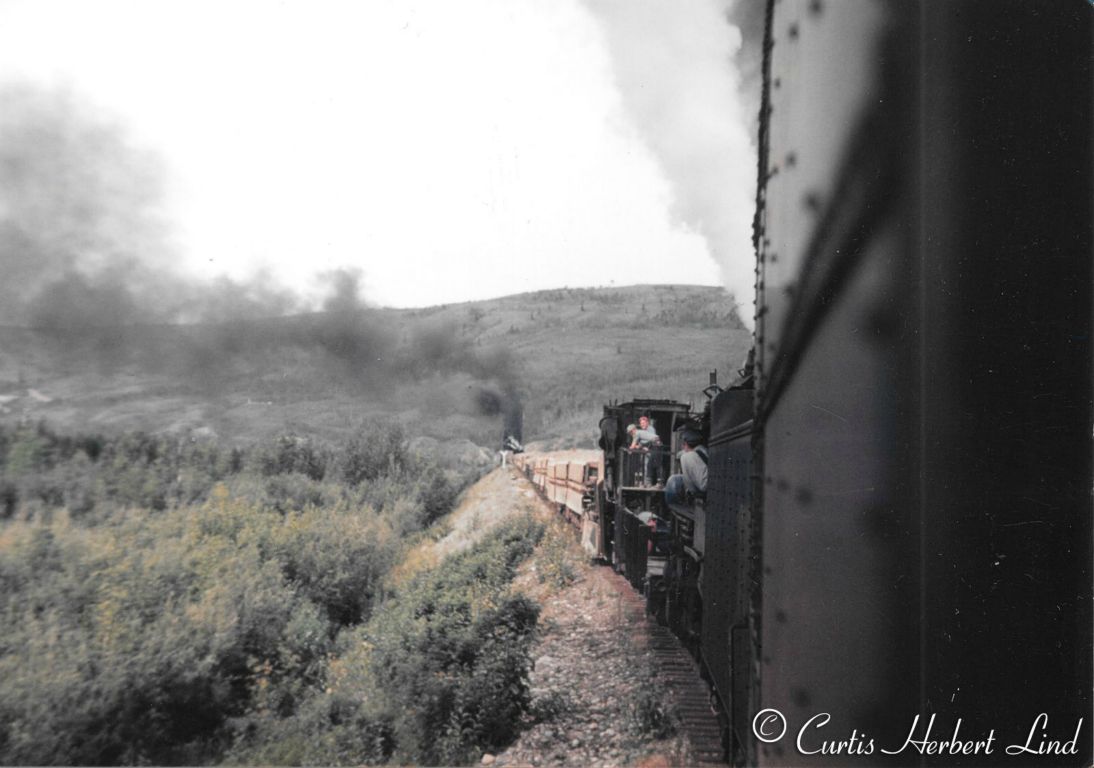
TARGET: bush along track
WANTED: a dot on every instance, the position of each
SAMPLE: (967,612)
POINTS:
(437,676)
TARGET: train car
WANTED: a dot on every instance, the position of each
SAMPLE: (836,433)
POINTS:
(639,544)
(915,539)
(572,481)
(572,478)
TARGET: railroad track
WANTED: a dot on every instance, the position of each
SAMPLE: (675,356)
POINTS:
(678,674)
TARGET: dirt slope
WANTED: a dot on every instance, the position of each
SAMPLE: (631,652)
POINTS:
(597,697)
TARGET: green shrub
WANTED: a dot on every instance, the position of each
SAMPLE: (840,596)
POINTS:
(291,453)
(556,564)
(449,656)
(9,498)
(550,706)
(436,494)
(27,451)
(439,673)
(336,557)
(377,448)
(326,730)
(652,715)
(293,492)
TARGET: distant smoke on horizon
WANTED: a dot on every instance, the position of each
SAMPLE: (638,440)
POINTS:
(84,238)
(690,83)
(88,262)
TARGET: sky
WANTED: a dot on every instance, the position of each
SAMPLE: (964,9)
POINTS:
(448,151)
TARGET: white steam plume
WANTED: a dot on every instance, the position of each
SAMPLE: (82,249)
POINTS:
(677,69)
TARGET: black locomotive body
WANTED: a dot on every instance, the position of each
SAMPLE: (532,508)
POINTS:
(917,540)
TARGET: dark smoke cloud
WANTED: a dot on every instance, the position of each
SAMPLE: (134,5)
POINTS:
(84,238)
(503,396)
(225,300)
(74,302)
(78,212)
(439,348)
(85,243)
(345,291)
(495,401)
(87,261)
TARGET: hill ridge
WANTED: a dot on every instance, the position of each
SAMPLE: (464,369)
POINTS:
(553,356)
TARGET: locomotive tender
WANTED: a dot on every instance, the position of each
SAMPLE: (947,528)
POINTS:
(898,516)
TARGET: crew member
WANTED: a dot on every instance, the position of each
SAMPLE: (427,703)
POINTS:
(644,435)
(682,490)
(644,438)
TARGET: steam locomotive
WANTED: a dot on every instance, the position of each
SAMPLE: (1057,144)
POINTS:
(897,528)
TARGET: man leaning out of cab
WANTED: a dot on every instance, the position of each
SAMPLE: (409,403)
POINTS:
(681,490)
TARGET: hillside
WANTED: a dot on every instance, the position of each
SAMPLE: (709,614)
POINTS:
(452,371)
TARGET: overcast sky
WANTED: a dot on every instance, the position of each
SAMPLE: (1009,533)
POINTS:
(451,151)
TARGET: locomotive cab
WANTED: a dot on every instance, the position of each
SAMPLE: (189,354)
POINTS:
(636,524)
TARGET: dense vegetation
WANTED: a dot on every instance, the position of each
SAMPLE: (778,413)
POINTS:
(436,676)
(168,601)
